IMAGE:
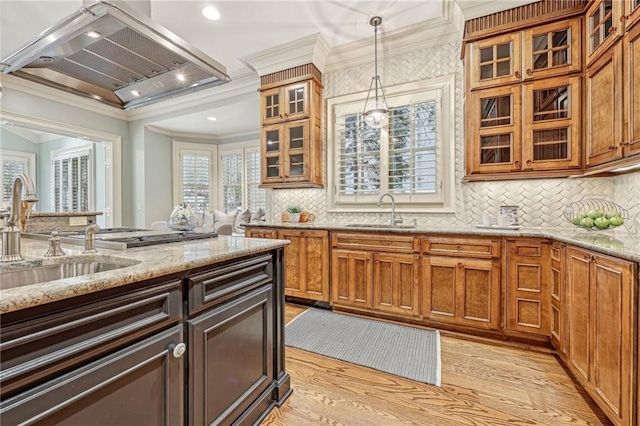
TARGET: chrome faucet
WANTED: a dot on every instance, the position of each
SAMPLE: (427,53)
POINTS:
(394,220)
(90,238)
(11,230)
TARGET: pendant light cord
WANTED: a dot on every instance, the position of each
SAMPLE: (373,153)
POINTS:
(375,56)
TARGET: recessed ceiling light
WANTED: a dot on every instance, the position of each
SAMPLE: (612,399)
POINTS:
(211,13)
(134,92)
(180,77)
(212,119)
(93,34)
(194,84)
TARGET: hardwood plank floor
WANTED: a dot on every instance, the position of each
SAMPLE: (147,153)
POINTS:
(482,384)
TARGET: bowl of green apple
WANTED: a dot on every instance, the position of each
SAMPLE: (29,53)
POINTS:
(596,215)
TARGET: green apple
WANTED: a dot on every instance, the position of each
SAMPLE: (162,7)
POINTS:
(602,222)
(612,213)
(616,221)
(595,213)
(587,222)
(576,220)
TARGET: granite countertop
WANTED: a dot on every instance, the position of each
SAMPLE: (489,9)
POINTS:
(143,263)
(63,214)
(619,242)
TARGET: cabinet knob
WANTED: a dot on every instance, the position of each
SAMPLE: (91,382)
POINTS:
(612,29)
(529,72)
(459,264)
(517,74)
(528,162)
(178,350)
(624,18)
(625,143)
(612,147)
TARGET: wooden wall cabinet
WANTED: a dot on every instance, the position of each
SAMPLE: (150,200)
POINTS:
(306,268)
(495,61)
(558,293)
(291,137)
(527,297)
(604,108)
(603,27)
(602,320)
(631,92)
(631,13)
(460,282)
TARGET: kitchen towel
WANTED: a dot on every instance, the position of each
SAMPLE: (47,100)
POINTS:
(405,351)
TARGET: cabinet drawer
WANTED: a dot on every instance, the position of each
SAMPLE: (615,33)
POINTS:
(35,349)
(462,247)
(223,282)
(375,242)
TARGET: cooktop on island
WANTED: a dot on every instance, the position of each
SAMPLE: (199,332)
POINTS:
(122,238)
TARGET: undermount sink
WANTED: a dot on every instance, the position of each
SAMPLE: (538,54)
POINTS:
(46,273)
(379,225)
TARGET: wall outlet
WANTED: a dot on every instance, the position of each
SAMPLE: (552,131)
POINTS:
(78,221)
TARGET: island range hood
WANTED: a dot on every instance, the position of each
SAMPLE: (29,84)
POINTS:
(115,55)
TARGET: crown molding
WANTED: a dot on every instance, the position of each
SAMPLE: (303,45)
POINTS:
(242,84)
(42,91)
(311,49)
(185,135)
(478,9)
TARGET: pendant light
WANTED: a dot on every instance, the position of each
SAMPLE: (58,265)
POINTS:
(376,112)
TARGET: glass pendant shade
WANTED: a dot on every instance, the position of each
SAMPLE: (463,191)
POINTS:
(376,112)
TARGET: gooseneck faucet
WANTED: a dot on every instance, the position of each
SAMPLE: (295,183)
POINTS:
(90,238)
(394,220)
(11,230)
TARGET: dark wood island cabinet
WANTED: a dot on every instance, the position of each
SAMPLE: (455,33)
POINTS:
(202,346)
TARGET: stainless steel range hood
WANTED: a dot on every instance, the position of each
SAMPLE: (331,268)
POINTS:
(115,55)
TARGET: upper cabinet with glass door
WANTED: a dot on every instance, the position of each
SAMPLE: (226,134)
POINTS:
(631,13)
(604,26)
(495,61)
(291,143)
(285,103)
(552,49)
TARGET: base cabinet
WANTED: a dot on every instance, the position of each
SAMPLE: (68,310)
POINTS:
(463,292)
(558,329)
(141,384)
(601,292)
(351,283)
(395,283)
(527,298)
(306,268)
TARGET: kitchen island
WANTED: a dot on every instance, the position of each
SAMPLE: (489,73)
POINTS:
(184,333)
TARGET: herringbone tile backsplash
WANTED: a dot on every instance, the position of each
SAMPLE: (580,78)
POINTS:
(541,201)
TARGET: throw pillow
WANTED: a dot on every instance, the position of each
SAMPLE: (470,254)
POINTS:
(258,216)
(220,218)
(242,219)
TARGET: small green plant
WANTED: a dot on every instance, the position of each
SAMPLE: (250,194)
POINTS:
(294,209)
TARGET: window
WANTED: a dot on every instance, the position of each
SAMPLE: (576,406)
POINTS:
(411,158)
(72,177)
(193,166)
(240,170)
(12,163)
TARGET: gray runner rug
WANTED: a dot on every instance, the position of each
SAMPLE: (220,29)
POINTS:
(405,351)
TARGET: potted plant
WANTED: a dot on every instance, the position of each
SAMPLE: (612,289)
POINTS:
(294,213)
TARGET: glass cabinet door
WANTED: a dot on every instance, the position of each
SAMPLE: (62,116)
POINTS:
(603,26)
(296,101)
(632,13)
(272,145)
(271,108)
(495,61)
(496,135)
(552,49)
(552,124)
(297,151)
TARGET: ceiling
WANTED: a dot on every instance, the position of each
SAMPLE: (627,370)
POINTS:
(246,28)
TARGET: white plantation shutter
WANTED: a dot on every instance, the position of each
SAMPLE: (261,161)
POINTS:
(72,177)
(11,165)
(256,197)
(196,177)
(403,158)
(240,179)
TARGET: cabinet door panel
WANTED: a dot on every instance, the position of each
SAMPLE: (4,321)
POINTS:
(603,27)
(632,90)
(552,49)
(439,288)
(231,357)
(293,284)
(396,283)
(316,264)
(495,61)
(604,106)
(579,313)
(351,278)
(139,385)
(478,297)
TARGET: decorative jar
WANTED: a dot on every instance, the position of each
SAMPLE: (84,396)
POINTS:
(183,218)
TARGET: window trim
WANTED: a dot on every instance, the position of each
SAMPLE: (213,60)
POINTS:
(28,157)
(177,147)
(447,147)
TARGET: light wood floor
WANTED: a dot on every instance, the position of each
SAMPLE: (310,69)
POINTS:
(482,384)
